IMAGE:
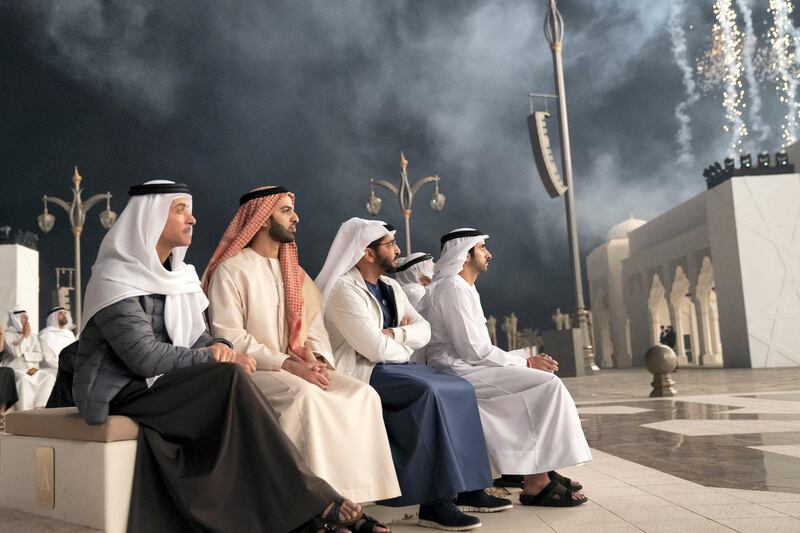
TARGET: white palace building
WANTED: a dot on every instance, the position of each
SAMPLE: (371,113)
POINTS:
(722,268)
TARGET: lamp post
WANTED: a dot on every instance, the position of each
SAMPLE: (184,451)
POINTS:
(76,211)
(554,33)
(405,195)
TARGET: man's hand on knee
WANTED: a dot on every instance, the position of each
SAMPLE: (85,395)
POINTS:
(222,353)
(312,372)
(543,362)
(245,361)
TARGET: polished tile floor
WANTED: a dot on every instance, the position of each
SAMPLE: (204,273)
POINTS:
(723,455)
(714,444)
(628,497)
(741,432)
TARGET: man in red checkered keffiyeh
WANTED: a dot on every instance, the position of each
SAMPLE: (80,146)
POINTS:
(262,301)
(255,210)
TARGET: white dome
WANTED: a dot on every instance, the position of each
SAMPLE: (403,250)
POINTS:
(621,230)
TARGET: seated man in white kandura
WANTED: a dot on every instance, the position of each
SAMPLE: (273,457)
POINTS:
(56,336)
(529,419)
(24,355)
(432,418)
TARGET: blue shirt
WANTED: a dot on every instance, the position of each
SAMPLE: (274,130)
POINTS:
(378,290)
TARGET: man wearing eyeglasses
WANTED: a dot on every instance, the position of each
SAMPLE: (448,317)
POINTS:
(431,418)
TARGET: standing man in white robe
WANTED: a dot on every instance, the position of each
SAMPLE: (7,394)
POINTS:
(414,273)
(529,418)
(268,307)
(25,357)
(55,337)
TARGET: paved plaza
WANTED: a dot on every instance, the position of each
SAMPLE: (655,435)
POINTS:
(723,455)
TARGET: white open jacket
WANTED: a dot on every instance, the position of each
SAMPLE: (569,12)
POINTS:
(354,322)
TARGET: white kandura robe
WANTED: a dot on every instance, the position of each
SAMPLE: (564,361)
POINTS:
(415,293)
(53,340)
(528,416)
(24,353)
(339,431)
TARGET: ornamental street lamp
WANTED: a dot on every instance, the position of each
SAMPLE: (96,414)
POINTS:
(554,33)
(76,211)
(405,195)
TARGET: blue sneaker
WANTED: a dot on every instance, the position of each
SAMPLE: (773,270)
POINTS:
(480,501)
(445,515)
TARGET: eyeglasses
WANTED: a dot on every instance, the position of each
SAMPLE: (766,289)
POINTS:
(393,242)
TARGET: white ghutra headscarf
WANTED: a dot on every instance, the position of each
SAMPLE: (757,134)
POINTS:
(455,252)
(14,323)
(52,319)
(53,338)
(347,249)
(127,265)
(413,267)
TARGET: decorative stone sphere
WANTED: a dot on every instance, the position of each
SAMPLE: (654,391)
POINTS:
(660,359)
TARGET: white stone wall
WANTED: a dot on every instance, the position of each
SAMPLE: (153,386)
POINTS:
(676,239)
(722,267)
(597,272)
(620,335)
(609,315)
(754,223)
(19,281)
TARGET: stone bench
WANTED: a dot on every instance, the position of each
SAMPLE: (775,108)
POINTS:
(54,464)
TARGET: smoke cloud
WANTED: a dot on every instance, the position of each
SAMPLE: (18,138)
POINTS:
(750,44)
(320,96)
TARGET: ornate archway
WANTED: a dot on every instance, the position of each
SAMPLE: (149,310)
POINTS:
(709,315)
(657,309)
(684,320)
(601,324)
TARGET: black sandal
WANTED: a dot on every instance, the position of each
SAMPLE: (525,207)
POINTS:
(553,495)
(330,520)
(317,525)
(564,480)
(368,525)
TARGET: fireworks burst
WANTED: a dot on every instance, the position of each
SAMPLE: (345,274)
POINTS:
(765,63)
(710,66)
(753,88)
(732,56)
(784,39)
(730,37)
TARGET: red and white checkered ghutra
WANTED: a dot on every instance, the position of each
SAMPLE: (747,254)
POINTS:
(249,219)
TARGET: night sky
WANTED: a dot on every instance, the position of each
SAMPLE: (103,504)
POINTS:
(319,96)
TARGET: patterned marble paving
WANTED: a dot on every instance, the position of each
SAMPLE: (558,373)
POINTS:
(791,450)
(625,496)
(734,441)
(701,428)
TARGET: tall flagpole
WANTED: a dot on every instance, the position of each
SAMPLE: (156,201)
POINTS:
(554,32)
